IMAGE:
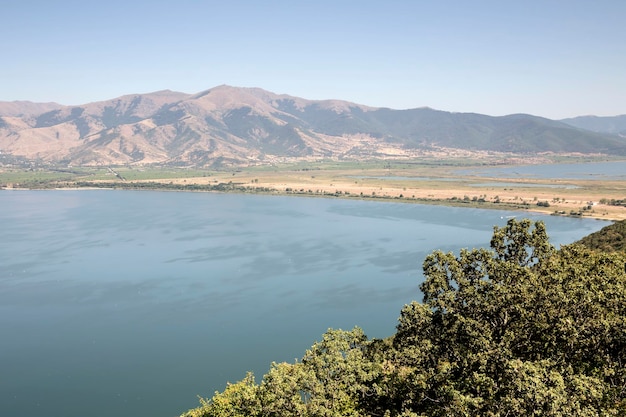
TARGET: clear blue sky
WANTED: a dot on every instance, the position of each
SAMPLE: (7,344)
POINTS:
(552,58)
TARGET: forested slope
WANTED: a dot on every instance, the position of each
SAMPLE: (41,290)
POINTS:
(611,238)
(519,329)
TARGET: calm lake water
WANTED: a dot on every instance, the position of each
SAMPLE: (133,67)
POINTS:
(614,170)
(122,303)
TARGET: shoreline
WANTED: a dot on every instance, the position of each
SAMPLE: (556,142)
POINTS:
(434,197)
(451,182)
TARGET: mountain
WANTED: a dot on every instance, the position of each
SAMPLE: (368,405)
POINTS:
(611,124)
(229,125)
(25,108)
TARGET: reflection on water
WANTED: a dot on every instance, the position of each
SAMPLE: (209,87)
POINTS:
(132,303)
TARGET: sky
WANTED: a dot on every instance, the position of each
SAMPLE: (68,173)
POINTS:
(550,58)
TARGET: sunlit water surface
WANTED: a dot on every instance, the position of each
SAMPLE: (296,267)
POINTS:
(122,303)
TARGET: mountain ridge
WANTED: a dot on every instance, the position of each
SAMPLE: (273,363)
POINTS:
(601,124)
(235,125)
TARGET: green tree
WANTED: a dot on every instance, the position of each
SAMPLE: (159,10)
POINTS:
(283,391)
(332,379)
(237,400)
(521,329)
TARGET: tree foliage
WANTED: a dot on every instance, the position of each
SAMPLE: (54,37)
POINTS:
(518,329)
(522,329)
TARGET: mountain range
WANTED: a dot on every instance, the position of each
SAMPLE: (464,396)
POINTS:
(230,126)
(612,124)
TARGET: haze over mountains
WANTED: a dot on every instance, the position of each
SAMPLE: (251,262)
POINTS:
(613,124)
(229,125)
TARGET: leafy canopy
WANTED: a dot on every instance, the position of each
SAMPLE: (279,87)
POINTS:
(518,329)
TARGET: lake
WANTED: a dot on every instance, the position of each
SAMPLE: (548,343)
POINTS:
(124,303)
(599,171)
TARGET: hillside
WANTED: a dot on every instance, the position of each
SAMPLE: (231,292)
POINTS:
(611,238)
(228,125)
(612,124)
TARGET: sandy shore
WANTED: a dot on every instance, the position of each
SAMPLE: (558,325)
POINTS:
(429,183)
(580,200)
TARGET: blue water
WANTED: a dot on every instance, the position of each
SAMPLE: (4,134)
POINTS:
(615,170)
(522,185)
(122,303)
